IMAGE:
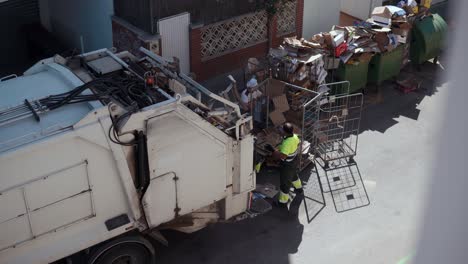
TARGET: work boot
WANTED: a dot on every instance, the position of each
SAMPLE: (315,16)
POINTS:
(282,201)
(281,205)
(282,208)
(297,184)
(299,191)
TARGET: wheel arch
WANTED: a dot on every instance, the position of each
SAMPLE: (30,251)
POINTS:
(130,239)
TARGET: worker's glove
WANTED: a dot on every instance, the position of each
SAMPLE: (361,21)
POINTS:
(270,148)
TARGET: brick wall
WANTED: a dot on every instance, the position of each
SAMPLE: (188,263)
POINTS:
(205,69)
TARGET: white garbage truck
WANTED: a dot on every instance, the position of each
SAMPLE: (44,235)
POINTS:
(100,151)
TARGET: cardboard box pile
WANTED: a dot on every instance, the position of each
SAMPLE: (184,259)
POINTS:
(386,29)
(299,62)
(269,136)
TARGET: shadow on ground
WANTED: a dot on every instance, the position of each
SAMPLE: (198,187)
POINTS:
(381,111)
(272,237)
(269,238)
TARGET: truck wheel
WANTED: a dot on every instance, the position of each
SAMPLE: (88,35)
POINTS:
(125,250)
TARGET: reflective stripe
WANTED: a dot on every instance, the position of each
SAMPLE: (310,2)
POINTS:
(258,167)
(283,197)
(291,157)
(297,184)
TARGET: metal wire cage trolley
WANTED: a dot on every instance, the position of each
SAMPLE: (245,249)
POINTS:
(338,128)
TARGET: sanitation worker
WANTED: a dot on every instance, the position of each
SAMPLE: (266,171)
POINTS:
(286,154)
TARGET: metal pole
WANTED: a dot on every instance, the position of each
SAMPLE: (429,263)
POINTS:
(194,84)
(154,56)
(212,95)
(165,94)
(268,111)
(302,137)
(123,63)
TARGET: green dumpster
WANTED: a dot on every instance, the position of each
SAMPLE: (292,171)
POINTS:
(385,66)
(427,38)
(355,74)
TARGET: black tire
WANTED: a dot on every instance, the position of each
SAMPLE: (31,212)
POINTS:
(126,250)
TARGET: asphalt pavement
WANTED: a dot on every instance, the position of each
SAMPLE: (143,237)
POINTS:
(397,148)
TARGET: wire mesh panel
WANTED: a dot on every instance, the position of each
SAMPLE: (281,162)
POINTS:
(310,115)
(345,184)
(338,130)
(353,197)
(335,89)
(337,178)
(314,200)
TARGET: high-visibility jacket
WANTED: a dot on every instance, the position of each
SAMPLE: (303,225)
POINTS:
(290,147)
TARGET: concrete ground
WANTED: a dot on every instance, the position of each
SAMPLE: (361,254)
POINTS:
(397,147)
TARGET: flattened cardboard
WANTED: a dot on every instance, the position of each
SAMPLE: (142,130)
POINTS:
(382,40)
(401,29)
(318,38)
(275,88)
(366,57)
(405,26)
(277,118)
(328,39)
(293,42)
(400,32)
(293,117)
(313,58)
(281,103)
(402,39)
(273,138)
(311,44)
